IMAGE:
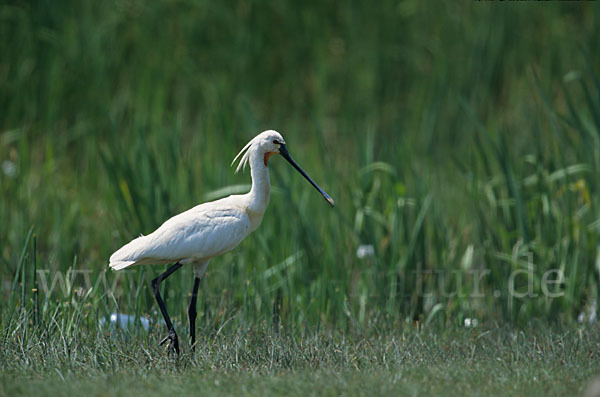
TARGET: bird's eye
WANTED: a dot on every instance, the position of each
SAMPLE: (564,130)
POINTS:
(275,141)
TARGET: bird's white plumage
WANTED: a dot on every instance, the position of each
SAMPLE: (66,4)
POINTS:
(209,229)
(200,233)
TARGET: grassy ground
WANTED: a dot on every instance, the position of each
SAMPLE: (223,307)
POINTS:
(438,379)
(460,142)
(404,362)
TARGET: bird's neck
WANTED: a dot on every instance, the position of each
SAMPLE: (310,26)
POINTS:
(261,185)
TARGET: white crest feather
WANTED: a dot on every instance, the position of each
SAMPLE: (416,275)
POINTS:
(245,157)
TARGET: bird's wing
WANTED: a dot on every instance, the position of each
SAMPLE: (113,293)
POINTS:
(202,232)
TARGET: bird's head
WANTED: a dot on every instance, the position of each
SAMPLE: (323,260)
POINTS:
(265,145)
(269,143)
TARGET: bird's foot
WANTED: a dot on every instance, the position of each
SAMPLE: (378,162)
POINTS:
(173,341)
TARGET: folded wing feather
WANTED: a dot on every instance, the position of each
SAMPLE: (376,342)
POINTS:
(202,232)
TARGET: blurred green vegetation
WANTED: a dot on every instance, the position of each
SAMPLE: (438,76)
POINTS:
(455,139)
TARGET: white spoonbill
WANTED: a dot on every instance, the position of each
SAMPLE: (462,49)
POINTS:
(210,229)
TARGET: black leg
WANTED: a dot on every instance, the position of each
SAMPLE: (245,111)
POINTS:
(172,336)
(192,313)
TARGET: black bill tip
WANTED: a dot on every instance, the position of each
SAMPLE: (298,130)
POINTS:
(286,155)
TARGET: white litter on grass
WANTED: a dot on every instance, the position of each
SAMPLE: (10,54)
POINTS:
(123,321)
(471,322)
(9,168)
(591,315)
(365,251)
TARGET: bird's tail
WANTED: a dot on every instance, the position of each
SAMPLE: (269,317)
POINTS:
(118,265)
(130,254)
